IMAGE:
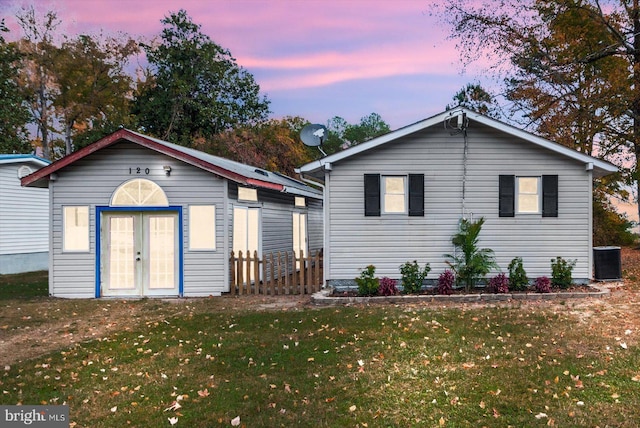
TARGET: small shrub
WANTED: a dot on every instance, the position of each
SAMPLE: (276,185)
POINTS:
(470,262)
(518,280)
(413,276)
(543,285)
(499,284)
(367,282)
(387,287)
(561,270)
(445,282)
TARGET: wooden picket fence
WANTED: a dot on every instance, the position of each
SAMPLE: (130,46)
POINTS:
(278,273)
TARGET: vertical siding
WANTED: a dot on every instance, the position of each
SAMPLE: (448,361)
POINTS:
(92,180)
(388,241)
(24,214)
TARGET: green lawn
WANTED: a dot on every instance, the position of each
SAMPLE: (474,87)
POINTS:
(376,366)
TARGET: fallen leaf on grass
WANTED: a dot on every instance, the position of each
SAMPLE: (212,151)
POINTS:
(174,406)
(235,421)
(173,420)
(204,393)
(352,408)
(541,415)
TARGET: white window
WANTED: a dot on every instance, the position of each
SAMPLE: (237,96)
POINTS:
(202,227)
(528,199)
(394,192)
(139,192)
(300,201)
(247,194)
(300,236)
(76,228)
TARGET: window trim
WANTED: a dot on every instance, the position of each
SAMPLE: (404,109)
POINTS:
(87,238)
(193,232)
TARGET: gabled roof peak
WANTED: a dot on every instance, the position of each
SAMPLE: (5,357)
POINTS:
(235,171)
(463,118)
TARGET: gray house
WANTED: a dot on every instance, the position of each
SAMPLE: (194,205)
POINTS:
(133,215)
(400,197)
(24,217)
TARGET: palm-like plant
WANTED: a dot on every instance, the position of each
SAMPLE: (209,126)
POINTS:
(469,262)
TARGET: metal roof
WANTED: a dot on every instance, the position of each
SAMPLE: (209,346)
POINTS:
(238,172)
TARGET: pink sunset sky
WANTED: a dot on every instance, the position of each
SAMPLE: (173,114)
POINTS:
(312,58)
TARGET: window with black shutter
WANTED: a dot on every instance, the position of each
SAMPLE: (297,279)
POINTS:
(385,194)
(527,195)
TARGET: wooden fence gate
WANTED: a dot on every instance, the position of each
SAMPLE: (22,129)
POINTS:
(276,273)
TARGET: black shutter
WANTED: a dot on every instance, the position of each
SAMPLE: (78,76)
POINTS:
(507,190)
(549,196)
(372,194)
(416,195)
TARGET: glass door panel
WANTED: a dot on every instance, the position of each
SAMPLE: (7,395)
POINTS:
(162,252)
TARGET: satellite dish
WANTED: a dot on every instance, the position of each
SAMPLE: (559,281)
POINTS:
(313,135)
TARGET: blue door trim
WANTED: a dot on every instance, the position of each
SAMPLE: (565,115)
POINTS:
(177,209)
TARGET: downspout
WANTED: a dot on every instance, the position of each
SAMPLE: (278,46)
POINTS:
(324,217)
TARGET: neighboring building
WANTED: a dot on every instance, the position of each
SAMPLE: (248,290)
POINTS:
(400,197)
(24,217)
(133,215)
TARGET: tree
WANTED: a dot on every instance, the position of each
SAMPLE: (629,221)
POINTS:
(610,227)
(273,145)
(36,73)
(571,68)
(343,134)
(370,127)
(335,138)
(194,88)
(94,89)
(13,113)
(474,97)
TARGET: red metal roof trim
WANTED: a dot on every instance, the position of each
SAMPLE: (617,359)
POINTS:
(124,134)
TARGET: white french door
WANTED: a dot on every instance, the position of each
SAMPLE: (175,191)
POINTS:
(246,234)
(300,236)
(140,254)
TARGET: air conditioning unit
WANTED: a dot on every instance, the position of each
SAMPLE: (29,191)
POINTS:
(608,264)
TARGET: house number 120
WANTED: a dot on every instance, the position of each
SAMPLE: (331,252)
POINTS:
(139,170)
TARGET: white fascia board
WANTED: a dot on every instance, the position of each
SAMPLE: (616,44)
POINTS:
(601,167)
(599,164)
(319,164)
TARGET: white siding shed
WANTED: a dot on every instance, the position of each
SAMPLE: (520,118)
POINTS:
(24,216)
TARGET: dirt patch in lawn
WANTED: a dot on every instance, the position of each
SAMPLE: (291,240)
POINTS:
(37,326)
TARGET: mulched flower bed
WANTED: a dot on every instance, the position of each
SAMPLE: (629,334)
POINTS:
(478,290)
